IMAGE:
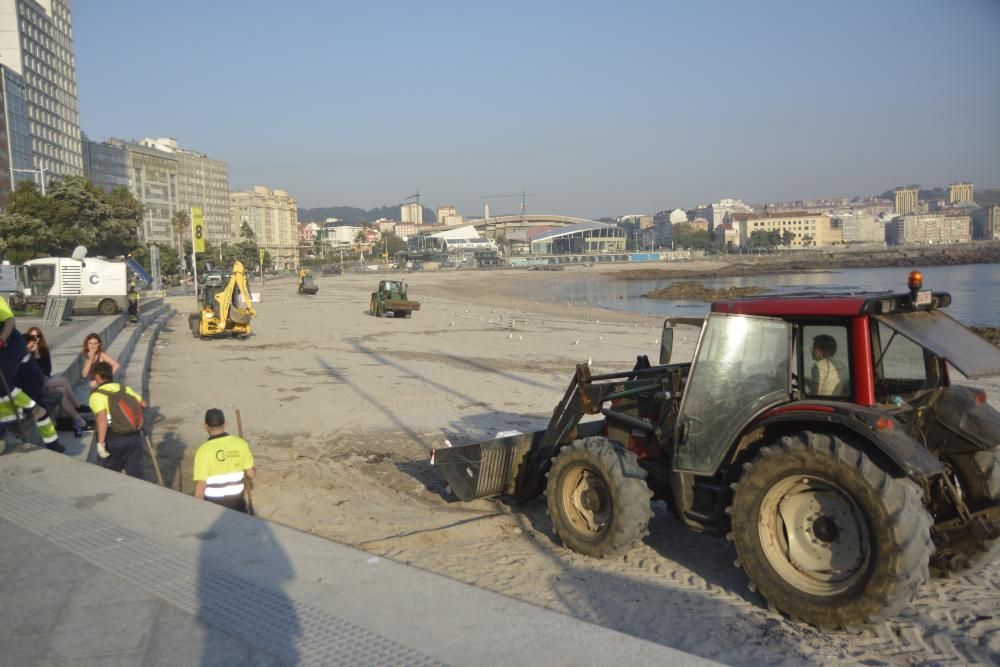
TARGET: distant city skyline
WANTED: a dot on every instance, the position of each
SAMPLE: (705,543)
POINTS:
(634,107)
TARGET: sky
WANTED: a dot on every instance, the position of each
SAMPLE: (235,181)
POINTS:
(596,108)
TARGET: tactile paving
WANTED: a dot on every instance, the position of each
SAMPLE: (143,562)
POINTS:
(266,619)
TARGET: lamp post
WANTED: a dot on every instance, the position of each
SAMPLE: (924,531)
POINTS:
(40,170)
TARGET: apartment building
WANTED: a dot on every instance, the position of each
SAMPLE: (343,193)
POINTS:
(411,213)
(36,45)
(15,133)
(201,182)
(960,192)
(906,200)
(273,216)
(862,229)
(716,213)
(929,228)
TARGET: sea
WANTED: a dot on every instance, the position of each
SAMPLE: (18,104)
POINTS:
(974,288)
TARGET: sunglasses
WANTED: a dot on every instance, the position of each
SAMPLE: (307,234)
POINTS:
(28,338)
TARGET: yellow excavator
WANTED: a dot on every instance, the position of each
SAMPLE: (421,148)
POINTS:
(225,310)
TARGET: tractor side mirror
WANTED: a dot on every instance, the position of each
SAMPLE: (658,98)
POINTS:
(666,345)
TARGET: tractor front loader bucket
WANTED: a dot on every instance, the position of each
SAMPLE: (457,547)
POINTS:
(485,469)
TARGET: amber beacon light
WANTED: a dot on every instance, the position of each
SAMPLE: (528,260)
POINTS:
(915,280)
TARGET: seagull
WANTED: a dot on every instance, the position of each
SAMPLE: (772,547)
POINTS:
(590,361)
(451,324)
(519,337)
(510,336)
(576,342)
(600,338)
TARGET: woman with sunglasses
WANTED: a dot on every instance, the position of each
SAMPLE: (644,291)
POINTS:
(93,352)
(39,349)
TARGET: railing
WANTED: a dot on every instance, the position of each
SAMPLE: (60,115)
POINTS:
(57,309)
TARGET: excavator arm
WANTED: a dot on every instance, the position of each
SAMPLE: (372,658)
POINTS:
(227,309)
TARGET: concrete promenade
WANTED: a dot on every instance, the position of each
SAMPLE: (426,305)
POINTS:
(97,568)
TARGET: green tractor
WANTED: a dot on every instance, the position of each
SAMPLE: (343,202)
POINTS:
(390,297)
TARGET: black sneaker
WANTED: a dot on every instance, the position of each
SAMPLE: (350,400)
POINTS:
(55,446)
(85,408)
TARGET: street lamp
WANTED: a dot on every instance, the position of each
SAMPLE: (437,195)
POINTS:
(40,170)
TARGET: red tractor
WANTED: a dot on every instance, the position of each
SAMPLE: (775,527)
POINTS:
(820,433)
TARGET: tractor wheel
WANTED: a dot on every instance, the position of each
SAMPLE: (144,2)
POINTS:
(597,498)
(371,306)
(826,535)
(379,310)
(194,321)
(979,480)
(107,307)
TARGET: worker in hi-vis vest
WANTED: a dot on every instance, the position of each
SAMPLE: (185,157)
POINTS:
(23,381)
(223,465)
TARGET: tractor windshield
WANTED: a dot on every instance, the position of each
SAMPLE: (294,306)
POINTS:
(741,366)
(940,335)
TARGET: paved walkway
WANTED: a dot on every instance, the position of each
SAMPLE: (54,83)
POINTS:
(100,568)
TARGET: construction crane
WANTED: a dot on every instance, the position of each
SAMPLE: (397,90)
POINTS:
(523,195)
(415,198)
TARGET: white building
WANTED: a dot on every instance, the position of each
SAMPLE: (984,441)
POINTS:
(862,228)
(716,213)
(36,44)
(341,236)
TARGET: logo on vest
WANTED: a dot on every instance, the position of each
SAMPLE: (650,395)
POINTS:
(220,455)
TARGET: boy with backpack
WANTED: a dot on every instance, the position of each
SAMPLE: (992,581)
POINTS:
(118,415)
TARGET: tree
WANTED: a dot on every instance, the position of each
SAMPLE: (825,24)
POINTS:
(686,236)
(180,222)
(119,235)
(787,237)
(246,232)
(22,237)
(393,243)
(77,211)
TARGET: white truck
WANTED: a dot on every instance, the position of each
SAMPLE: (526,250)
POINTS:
(14,284)
(94,284)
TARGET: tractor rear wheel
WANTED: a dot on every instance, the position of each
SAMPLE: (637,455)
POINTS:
(371,306)
(826,535)
(597,497)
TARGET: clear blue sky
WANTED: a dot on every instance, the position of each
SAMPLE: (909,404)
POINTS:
(598,108)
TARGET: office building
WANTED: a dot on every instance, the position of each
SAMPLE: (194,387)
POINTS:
(273,217)
(992,231)
(36,44)
(906,201)
(929,228)
(808,229)
(15,133)
(152,179)
(411,213)
(105,165)
(960,192)
(201,182)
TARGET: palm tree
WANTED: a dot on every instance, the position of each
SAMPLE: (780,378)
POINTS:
(180,222)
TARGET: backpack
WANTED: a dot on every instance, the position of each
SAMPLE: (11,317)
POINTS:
(125,410)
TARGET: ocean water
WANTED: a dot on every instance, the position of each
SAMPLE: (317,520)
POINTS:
(974,288)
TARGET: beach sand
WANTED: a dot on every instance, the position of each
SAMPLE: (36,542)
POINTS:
(342,409)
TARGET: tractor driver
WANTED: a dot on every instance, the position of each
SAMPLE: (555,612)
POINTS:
(829,375)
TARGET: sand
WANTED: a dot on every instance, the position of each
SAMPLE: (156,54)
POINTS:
(342,410)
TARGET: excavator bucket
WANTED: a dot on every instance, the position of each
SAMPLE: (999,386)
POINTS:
(485,469)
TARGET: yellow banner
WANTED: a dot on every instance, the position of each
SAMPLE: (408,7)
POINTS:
(198,229)
(261,251)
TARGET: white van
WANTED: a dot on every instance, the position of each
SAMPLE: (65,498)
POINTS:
(94,284)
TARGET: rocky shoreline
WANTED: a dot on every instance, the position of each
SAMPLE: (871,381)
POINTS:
(986,252)
(694,291)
